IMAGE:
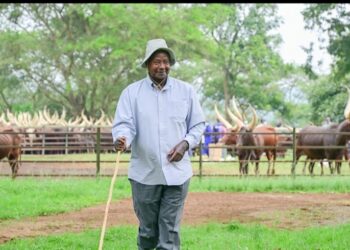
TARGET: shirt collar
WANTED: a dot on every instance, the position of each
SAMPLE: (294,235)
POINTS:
(153,85)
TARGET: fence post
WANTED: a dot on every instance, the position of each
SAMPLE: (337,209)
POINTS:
(66,141)
(200,159)
(98,150)
(294,152)
(43,143)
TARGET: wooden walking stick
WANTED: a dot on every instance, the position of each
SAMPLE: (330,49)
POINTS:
(108,202)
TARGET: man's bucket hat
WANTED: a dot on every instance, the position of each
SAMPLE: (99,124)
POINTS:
(153,46)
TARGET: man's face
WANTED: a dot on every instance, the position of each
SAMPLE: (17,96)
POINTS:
(159,65)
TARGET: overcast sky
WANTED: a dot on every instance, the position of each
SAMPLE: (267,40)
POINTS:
(295,36)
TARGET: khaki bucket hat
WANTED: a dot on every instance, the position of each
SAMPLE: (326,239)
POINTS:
(154,45)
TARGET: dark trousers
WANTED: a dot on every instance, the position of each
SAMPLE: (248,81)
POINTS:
(159,210)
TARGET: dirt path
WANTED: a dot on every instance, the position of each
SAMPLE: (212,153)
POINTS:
(286,210)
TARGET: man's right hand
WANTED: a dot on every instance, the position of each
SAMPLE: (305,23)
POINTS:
(120,144)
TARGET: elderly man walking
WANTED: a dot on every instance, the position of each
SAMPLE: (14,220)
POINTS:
(160,118)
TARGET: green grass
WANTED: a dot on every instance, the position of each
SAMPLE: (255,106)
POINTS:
(211,236)
(56,195)
(30,197)
(53,195)
(319,184)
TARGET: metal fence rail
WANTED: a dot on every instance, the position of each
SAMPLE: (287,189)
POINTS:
(92,140)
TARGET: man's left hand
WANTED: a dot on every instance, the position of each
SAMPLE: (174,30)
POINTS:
(178,151)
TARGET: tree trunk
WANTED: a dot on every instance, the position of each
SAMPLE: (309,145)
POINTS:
(226,95)
(7,104)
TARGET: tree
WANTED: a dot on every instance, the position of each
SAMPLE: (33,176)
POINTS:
(12,91)
(327,95)
(241,60)
(80,57)
(333,26)
(327,99)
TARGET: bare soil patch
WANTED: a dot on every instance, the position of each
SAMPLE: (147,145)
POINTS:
(279,210)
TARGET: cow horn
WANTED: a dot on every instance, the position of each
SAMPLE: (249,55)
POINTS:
(85,119)
(288,127)
(10,116)
(252,124)
(4,120)
(235,109)
(47,116)
(100,121)
(347,108)
(42,120)
(234,118)
(221,118)
(75,122)
(63,114)
(55,117)
(35,120)
(109,121)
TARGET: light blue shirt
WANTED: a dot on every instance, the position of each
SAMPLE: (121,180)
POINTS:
(153,122)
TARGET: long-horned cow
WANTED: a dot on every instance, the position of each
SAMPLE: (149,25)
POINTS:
(251,141)
(319,143)
(10,148)
(230,137)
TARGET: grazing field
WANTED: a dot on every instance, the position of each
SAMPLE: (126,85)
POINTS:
(220,213)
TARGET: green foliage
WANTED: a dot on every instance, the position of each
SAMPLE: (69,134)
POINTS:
(81,56)
(11,87)
(331,20)
(327,98)
(71,61)
(240,57)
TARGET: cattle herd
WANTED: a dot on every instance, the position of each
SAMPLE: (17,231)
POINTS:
(46,133)
(318,144)
(332,140)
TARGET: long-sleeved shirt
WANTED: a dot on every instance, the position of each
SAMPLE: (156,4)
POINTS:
(153,122)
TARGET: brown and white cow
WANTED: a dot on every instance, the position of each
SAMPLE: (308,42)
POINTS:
(10,148)
(251,141)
